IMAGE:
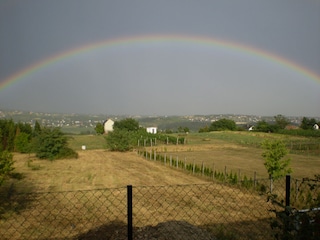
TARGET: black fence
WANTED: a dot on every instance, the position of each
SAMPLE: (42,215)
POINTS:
(198,211)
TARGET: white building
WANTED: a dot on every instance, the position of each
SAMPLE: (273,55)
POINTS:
(152,130)
(316,127)
(108,126)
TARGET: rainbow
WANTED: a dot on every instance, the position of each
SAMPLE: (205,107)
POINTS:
(146,39)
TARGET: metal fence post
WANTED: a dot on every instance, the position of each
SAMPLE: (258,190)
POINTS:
(288,180)
(129,209)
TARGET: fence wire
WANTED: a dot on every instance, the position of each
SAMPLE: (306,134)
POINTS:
(198,211)
(60,215)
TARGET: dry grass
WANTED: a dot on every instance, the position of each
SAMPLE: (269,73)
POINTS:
(95,169)
(70,213)
(74,212)
(218,154)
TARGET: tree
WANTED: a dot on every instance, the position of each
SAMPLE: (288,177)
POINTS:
(37,128)
(128,124)
(273,155)
(99,128)
(8,132)
(52,144)
(223,124)
(307,123)
(263,126)
(6,165)
(281,121)
(119,140)
(22,142)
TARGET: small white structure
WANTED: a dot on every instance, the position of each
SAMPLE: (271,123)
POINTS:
(251,128)
(152,130)
(83,147)
(108,126)
(316,127)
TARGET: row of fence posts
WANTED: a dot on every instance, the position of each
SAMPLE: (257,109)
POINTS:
(152,155)
(130,206)
(153,142)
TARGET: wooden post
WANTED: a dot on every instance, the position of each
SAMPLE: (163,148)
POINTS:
(144,142)
(155,155)
(193,167)
(155,142)
(296,189)
(150,154)
(165,159)
(213,170)
(170,160)
(150,142)
(202,169)
(255,180)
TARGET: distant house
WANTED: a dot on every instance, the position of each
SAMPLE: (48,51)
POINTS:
(251,128)
(316,127)
(108,126)
(291,127)
(152,130)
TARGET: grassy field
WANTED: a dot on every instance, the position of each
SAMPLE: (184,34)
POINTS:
(159,193)
(240,151)
(234,150)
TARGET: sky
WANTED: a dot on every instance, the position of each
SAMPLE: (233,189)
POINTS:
(146,57)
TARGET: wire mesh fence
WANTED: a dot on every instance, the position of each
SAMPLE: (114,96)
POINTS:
(60,215)
(199,211)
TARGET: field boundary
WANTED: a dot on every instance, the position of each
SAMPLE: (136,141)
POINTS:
(190,211)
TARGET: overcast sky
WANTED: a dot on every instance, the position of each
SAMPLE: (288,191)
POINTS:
(161,77)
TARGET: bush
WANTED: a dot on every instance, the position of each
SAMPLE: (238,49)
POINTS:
(6,165)
(52,144)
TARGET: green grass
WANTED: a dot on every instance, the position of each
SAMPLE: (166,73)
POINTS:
(296,144)
(90,141)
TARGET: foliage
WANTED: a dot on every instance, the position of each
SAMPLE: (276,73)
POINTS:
(204,129)
(22,142)
(281,121)
(183,129)
(37,128)
(305,224)
(223,124)
(99,128)
(301,132)
(8,131)
(128,124)
(263,126)
(6,165)
(307,123)
(119,140)
(273,155)
(51,144)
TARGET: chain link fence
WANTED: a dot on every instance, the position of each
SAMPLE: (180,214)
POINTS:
(199,211)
